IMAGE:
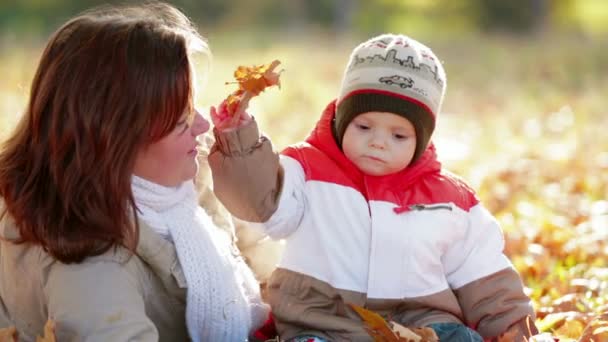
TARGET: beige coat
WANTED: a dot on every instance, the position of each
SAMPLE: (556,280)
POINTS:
(110,297)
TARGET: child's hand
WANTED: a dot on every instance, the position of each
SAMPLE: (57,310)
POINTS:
(224,121)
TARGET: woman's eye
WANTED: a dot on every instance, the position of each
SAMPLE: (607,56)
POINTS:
(181,126)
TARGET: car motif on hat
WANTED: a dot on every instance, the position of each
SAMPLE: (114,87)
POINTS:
(403,82)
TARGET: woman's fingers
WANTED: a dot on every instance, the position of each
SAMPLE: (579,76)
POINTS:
(223,121)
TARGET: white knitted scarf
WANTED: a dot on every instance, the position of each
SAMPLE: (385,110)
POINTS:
(223,300)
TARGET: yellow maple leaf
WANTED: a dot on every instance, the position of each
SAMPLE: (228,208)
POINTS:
(255,79)
(252,81)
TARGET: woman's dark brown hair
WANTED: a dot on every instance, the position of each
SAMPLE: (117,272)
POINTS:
(109,82)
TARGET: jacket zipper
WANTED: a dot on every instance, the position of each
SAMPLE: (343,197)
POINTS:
(421,207)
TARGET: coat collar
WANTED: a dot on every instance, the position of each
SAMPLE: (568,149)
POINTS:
(161,256)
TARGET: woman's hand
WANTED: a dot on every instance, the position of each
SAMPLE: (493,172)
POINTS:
(224,121)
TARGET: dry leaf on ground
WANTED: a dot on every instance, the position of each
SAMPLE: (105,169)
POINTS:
(49,332)
(596,330)
(8,334)
(383,331)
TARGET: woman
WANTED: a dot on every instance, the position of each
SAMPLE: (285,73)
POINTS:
(100,228)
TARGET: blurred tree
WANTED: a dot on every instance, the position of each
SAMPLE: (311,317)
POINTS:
(43,16)
(344,11)
(415,17)
(512,16)
(293,15)
(296,15)
(434,17)
(523,16)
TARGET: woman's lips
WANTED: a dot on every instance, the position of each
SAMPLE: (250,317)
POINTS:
(194,150)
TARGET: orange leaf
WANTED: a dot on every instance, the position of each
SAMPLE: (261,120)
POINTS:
(376,326)
(256,78)
(8,334)
(49,332)
(233,100)
(381,331)
(596,330)
(508,336)
(252,81)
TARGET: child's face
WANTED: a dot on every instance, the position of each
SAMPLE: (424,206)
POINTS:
(379,143)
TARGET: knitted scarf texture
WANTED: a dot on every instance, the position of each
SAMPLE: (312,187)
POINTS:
(223,297)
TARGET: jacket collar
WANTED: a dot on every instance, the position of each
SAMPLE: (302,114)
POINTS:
(161,256)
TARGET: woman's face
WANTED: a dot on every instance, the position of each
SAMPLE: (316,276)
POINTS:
(172,160)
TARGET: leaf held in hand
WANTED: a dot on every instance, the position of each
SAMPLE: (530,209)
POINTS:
(256,78)
(252,81)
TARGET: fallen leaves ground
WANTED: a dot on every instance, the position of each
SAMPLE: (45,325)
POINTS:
(524,121)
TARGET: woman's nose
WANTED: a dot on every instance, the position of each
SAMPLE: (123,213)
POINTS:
(200,125)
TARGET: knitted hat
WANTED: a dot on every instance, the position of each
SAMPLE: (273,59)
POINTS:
(396,74)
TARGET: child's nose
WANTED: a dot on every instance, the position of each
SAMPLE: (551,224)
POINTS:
(200,125)
(378,141)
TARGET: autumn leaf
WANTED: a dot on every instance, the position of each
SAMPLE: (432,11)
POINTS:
(235,99)
(375,325)
(508,336)
(8,334)
(414,334)
(571,329)
(544,337)
(256,78)
(49,332)
(596,330)
(252,81)
(382,331)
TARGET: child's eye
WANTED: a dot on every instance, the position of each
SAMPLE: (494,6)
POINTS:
(362,127)
(399,136)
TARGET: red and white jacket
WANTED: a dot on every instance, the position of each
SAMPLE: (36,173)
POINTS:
(417,245)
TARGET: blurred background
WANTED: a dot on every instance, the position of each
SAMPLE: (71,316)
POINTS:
(524,120)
